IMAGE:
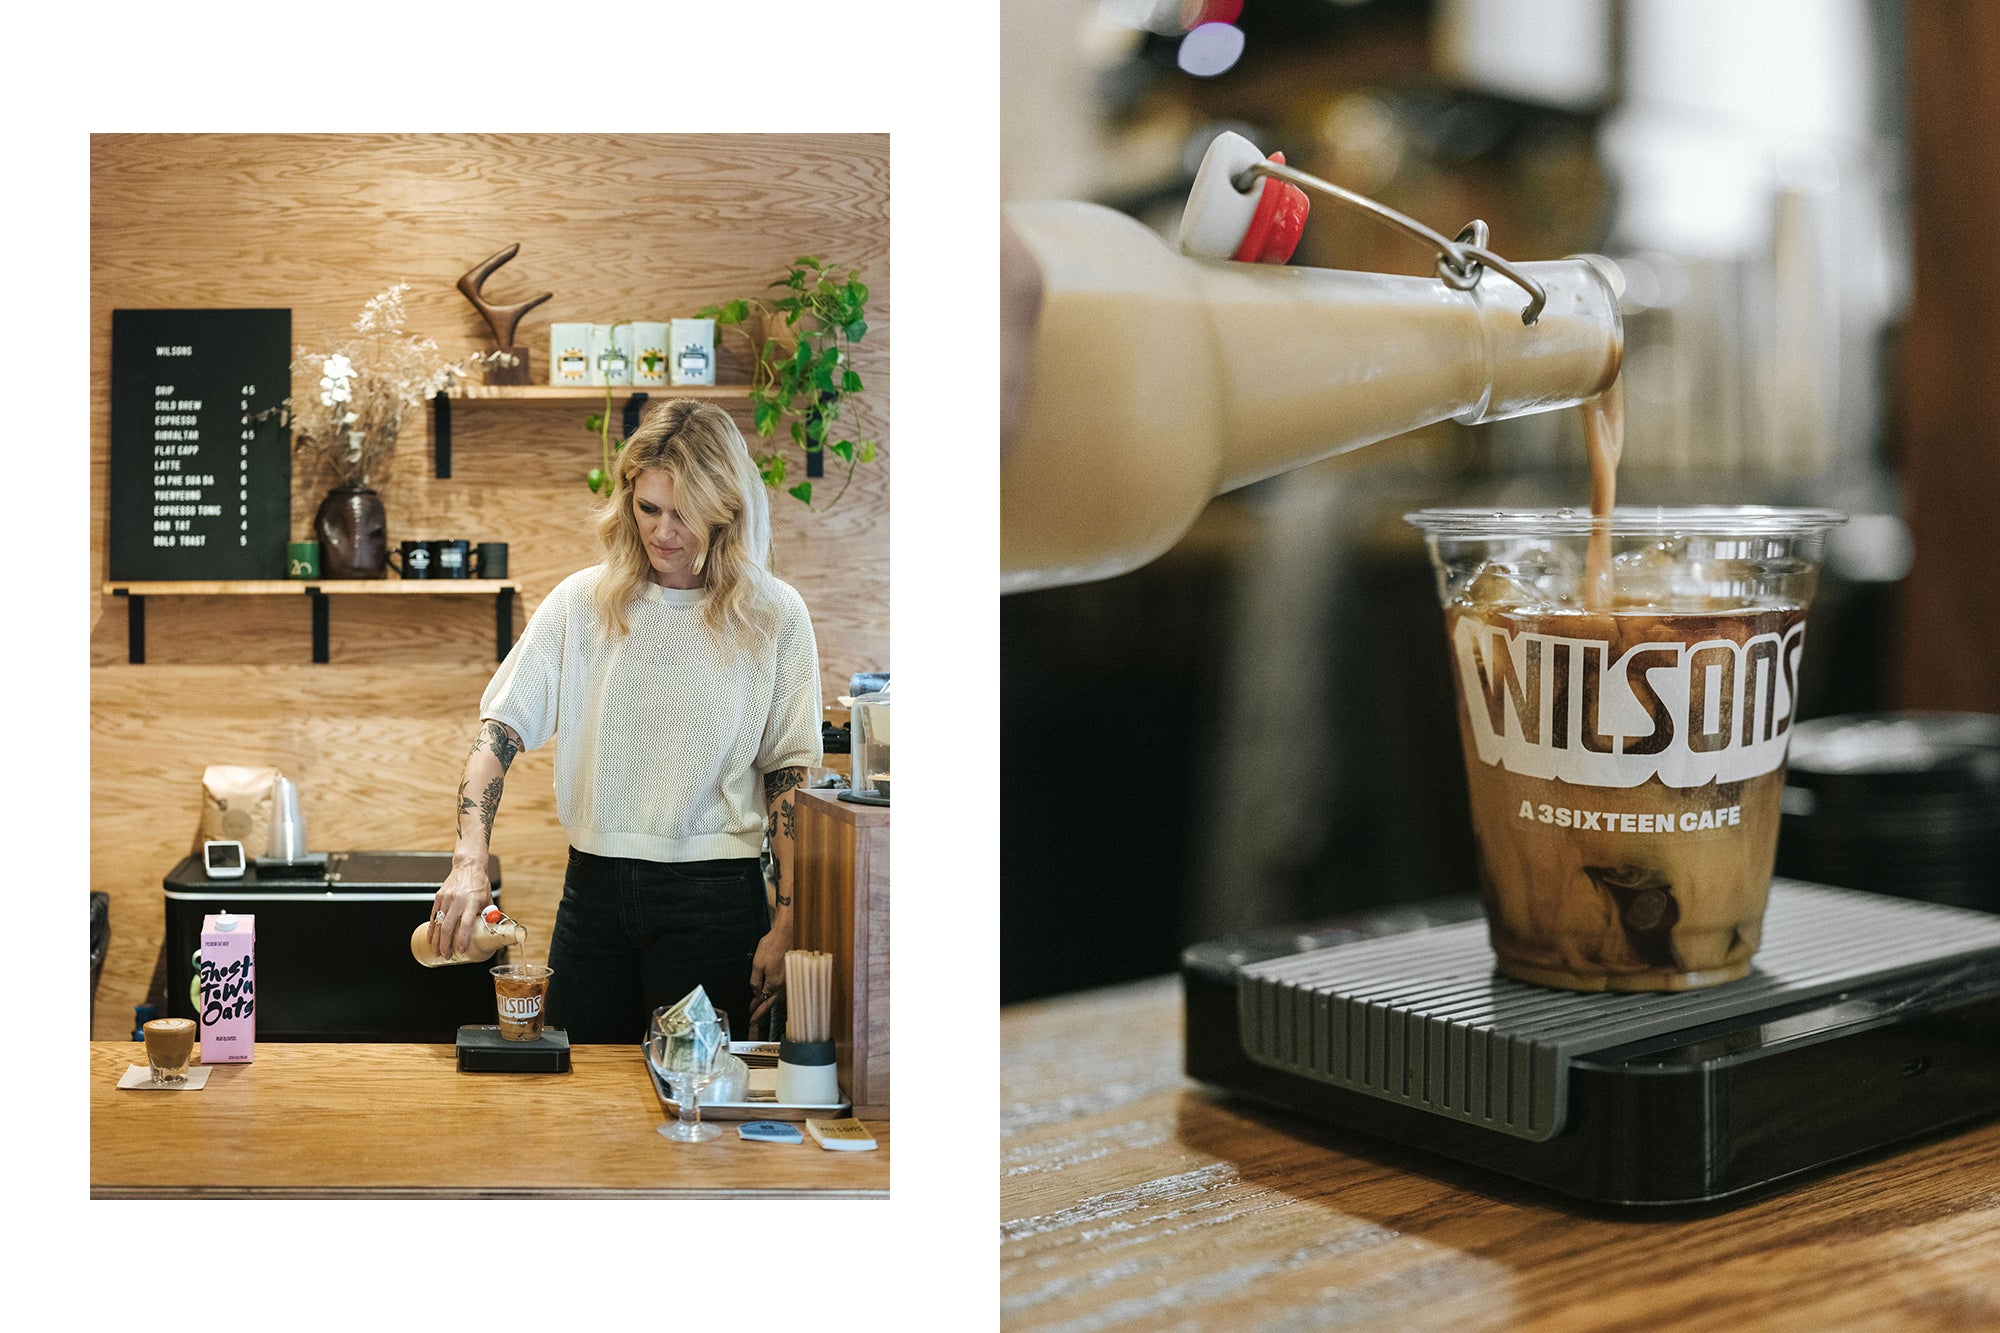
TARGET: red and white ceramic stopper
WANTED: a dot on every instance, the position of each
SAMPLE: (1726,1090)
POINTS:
(1259,226)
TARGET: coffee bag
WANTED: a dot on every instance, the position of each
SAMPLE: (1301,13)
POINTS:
(238,803)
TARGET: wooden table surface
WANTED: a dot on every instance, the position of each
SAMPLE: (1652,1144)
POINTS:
(368,1120)
(1134,1198)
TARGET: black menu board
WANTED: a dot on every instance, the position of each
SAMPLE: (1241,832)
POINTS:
(199,491)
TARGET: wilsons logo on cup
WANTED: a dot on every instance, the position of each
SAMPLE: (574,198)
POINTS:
(1690,714)
(520,1008)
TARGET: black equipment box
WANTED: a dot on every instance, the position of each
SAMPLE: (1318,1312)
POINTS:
(333,947)
(1866,1021)
(482,1050)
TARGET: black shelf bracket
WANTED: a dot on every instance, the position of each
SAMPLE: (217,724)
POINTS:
(503,623)
(321,652)
(135,626)
(441,433)
(633,406)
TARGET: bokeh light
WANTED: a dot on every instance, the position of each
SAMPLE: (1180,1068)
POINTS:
(1210,49)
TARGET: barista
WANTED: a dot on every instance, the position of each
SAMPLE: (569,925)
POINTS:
(680,682)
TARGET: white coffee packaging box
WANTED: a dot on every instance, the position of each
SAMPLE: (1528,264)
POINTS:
(610,354)
(649,352)
(569,353)
(694,351)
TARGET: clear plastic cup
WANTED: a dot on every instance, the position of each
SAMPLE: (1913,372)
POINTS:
(521,990)
(1626,757)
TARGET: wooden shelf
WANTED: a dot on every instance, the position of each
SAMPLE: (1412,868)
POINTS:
(584,393)
(330,587)
(635,397)
(135,594)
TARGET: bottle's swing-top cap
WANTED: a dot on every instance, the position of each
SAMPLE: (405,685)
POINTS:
(1259,226)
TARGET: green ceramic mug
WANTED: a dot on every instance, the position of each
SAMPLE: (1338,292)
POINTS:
(302,560)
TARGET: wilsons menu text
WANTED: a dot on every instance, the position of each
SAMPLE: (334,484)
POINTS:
(200,489)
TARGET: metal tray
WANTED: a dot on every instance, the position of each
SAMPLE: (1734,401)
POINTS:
(763,1103)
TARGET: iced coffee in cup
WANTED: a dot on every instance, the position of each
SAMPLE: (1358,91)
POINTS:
(1625,734)
(522,993)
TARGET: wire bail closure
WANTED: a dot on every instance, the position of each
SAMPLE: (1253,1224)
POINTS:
(1460,263)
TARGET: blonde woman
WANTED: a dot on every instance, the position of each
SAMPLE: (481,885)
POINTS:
(680,682)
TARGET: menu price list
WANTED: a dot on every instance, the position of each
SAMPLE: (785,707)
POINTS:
(200,487)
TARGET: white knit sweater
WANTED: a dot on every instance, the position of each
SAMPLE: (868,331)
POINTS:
(664,735)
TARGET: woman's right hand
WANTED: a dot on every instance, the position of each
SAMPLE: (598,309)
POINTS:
(465,894)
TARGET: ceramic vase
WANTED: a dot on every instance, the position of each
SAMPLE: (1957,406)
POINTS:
(353,534)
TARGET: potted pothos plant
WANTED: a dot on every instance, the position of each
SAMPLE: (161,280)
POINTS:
(803,369)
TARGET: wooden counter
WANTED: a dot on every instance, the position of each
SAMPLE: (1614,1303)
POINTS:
(1133,1198)
(327,1120)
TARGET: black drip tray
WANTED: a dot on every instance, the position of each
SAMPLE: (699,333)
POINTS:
(482,1050)
(1424,1019)
(1867,1021)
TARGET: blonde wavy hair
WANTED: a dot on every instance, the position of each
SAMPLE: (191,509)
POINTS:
(722,500)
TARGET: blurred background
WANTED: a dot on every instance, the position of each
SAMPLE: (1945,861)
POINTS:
(1799,193)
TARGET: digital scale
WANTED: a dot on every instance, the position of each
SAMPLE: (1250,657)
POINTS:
(1866,1021)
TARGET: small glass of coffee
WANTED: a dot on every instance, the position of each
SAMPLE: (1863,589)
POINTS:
(169,1049)
(522,990)
(1625,738)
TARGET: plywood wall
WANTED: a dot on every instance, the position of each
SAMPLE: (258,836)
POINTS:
(618,227)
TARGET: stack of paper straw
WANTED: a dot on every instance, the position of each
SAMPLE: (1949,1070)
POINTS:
(808,996)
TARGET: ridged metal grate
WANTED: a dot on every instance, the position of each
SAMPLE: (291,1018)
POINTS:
(1423,1019)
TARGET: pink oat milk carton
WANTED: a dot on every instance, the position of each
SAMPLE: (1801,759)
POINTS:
(228,980)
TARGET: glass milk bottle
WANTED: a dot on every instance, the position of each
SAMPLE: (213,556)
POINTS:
(494,931)
(1158,380)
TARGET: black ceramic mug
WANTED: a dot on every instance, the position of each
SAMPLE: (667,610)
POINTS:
(416,560)
(490,561)
(453,560)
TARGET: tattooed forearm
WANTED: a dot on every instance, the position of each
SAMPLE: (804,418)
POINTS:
(779,825)
(777,861)
(502,742)
(489,804)
(780,781)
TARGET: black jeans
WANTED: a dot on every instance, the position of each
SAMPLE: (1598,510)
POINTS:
(633,935)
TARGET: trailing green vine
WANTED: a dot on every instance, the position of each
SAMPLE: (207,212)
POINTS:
(805,390)
(599,424)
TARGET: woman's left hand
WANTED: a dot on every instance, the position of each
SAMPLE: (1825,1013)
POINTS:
(767,970)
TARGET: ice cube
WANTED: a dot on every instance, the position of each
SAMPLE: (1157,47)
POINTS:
(1721,583)
(1494,584)
(1645,575)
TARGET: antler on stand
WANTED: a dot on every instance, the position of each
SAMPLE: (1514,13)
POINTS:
(503,320)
